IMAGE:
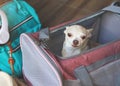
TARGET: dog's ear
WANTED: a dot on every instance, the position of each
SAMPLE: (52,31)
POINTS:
(65,31)
(67,27)
(89,32)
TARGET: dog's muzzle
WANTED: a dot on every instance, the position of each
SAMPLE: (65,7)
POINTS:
(75,43)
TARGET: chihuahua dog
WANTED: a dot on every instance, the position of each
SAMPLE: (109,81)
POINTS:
(76,40)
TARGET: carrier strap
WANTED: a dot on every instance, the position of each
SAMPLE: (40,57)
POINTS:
(113,7)
(44,34)
(82,74)
(72,83)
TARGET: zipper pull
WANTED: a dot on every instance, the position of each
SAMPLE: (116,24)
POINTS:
(11,60)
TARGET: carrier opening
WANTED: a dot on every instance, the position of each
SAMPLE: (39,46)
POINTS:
(105,29)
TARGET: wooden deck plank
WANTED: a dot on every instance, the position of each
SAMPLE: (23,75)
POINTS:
(54,12)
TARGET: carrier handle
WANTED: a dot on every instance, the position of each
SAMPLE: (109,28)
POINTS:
(19,7)
(82,74)
(114,7)
(4,33)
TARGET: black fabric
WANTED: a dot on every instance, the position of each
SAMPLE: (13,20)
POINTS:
(55,42)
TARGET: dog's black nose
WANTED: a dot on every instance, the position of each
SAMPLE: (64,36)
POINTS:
(75,42)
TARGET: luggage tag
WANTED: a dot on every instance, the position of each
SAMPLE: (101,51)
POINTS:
(4,33)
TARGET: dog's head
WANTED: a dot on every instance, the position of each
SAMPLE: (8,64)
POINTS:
(76,35)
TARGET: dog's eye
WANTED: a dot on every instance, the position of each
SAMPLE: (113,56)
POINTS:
(83,37)
(69,34)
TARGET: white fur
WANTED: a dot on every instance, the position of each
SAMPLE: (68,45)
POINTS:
(75,33)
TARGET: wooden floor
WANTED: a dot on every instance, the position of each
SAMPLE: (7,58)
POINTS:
(54,12)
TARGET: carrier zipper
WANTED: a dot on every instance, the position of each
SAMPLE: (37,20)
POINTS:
(29,18)
(15,49)
(15,27)
(44,44)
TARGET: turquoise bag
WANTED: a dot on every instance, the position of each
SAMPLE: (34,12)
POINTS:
(22,18)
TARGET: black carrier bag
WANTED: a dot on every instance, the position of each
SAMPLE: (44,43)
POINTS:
(43,64)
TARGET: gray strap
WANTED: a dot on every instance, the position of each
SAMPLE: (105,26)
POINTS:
(82,74)
(44,34)
(112,8)
(72,83)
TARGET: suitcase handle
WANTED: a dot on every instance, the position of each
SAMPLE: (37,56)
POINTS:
(114,7)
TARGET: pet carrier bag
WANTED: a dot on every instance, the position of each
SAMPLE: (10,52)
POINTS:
(17,17)
(43,64)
